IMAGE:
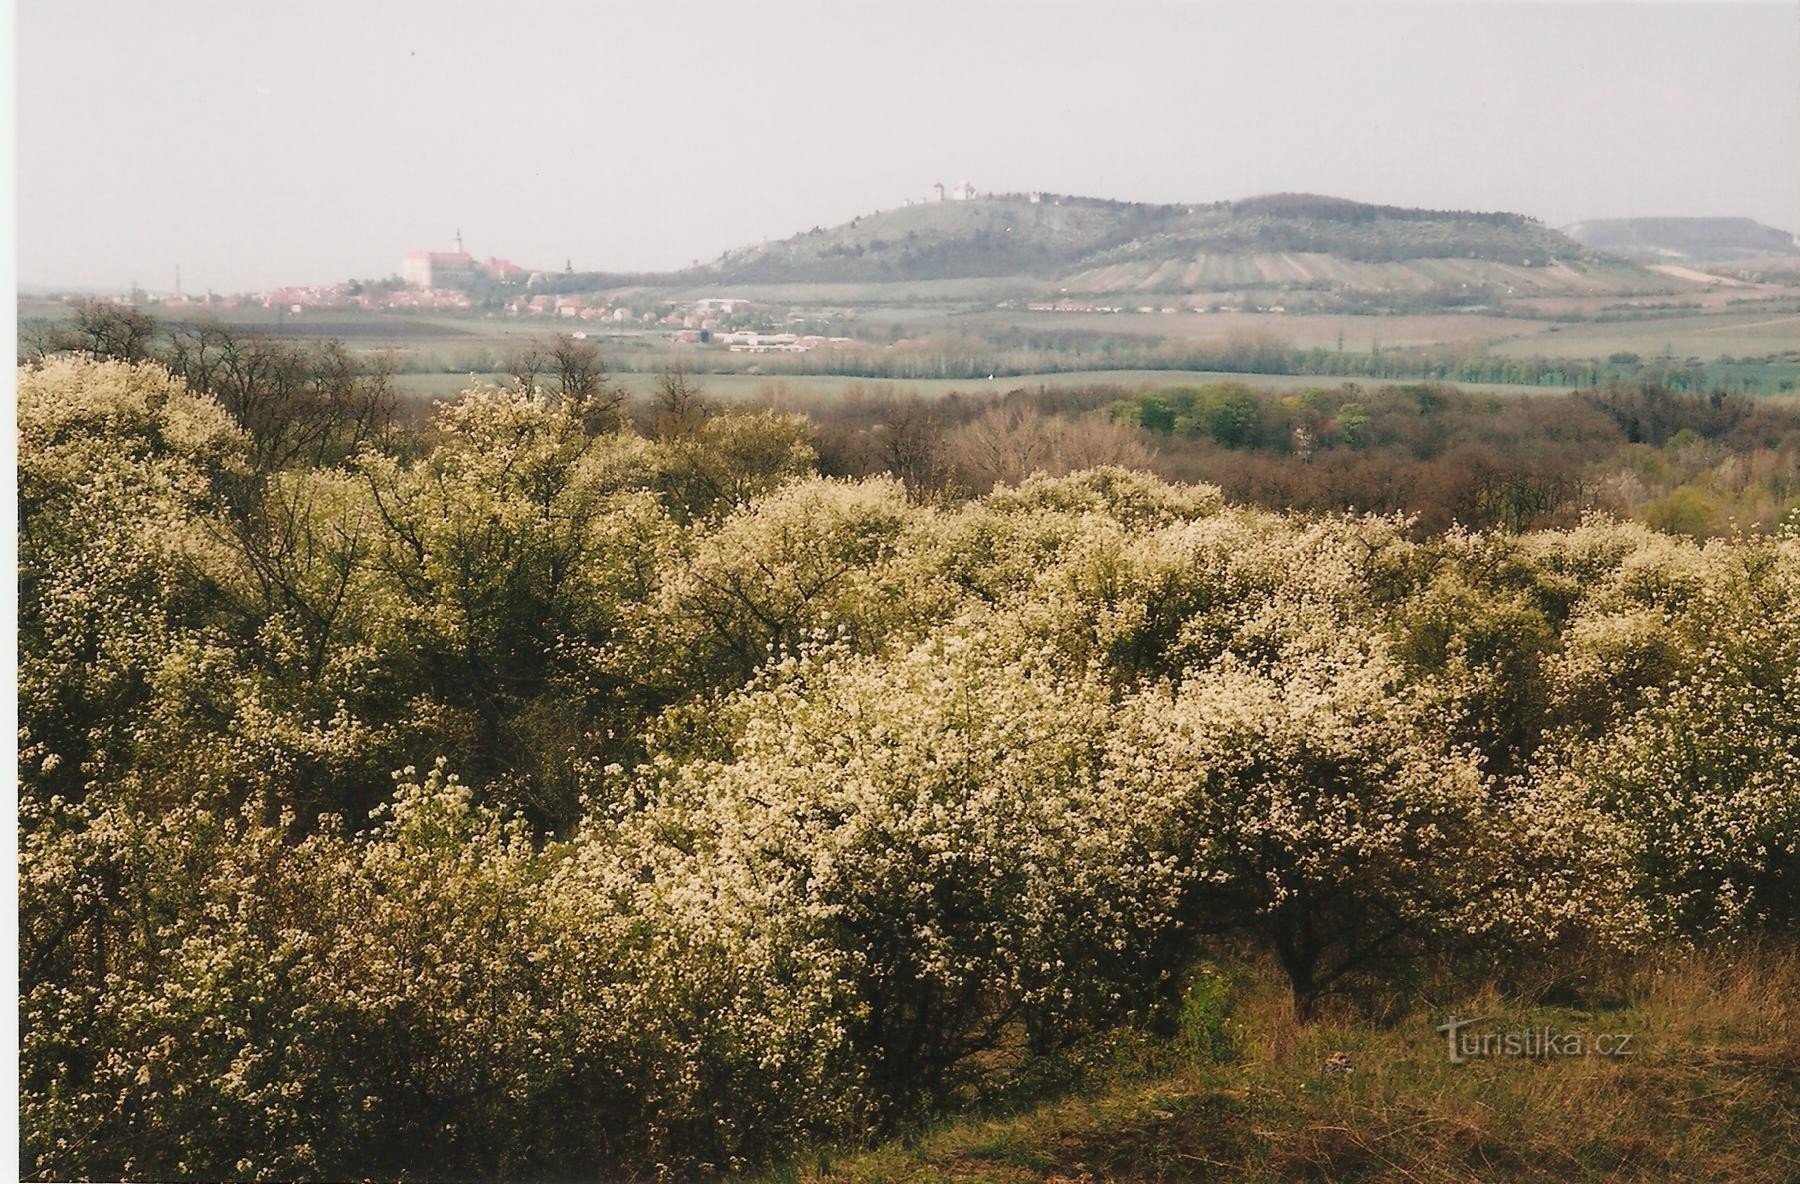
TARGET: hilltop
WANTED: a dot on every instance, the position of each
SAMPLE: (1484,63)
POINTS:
(1684,240)
(989,236)
(1094,245)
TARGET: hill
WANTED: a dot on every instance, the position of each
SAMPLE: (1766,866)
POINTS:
(1095,246)
(993,236)
(1694,240)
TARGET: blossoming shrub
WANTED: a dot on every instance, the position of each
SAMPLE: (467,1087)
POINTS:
(117,465)
(514,549)
(729,459)
(791,803)
(1705,776)
(816,557)
(1312,803)
(931,830)
(204,997)
(1150,593)
(1480,651)
(154,1036)
(1133,499)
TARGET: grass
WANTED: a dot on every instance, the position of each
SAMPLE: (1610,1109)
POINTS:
(1711,1091)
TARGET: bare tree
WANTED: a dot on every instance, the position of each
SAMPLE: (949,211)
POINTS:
(582,378)
(1009,443)
(37,338)
(525,364)
(109,330)
(679,406)
(912,446)
(315,404)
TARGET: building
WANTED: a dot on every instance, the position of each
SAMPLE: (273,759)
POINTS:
(937,192)
(503,270)
(438,269)
(761,343)
(963,192)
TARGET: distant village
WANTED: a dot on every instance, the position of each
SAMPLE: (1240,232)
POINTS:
(443,279)
(457,281)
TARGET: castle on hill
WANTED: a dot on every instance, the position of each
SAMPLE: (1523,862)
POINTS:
(454,269)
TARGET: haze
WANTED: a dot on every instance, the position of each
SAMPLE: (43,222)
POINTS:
(263,144)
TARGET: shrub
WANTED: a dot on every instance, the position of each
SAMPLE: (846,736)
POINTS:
(929,826)
(1705,775)
(1304,804)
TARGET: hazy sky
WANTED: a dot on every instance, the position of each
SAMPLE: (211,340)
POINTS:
(260,143)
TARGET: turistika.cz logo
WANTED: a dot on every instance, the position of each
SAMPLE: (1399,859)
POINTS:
(1528,1042)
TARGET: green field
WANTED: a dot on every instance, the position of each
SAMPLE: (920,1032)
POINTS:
(1301,330)
(1737,332)
(438,351)
(774,386)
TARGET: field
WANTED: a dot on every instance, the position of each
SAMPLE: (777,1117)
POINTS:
(951,318)
(1235,271)
(772,387)
(1302,330)
(1734,332)
(896,295)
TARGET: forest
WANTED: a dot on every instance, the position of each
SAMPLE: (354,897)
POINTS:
(548,785)
(1700,465)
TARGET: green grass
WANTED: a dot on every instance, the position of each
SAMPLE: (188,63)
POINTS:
(1711,1092)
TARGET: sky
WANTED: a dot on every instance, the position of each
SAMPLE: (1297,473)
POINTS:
(257,143)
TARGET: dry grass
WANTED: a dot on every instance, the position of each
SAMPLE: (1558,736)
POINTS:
(1711,1091)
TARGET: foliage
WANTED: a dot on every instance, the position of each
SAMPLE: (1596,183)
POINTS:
(1705,773)
(1310,807)
(787,807)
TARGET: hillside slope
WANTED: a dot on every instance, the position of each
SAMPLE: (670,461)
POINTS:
(951,240)
(1089,245)
(1705,1091)
(1670,240)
